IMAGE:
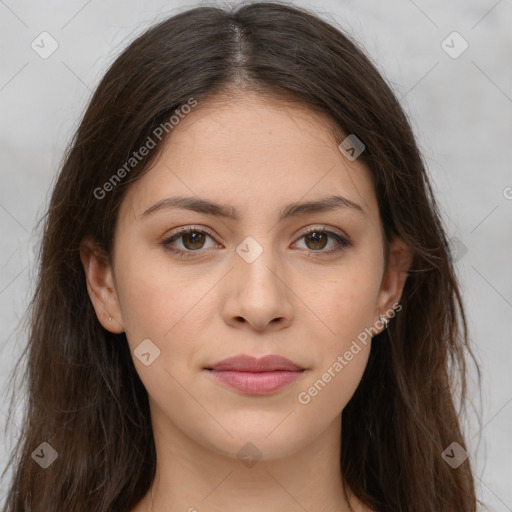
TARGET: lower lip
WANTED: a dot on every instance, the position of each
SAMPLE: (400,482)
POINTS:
(256,383)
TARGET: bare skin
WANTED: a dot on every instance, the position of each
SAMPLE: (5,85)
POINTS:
(295,299)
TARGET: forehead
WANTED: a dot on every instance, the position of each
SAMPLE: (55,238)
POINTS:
(252,153)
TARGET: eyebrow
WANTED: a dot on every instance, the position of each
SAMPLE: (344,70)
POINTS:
(200,205)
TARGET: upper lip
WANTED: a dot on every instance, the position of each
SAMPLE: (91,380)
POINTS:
(244,363)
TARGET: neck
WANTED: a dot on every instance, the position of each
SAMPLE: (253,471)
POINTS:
(194,478)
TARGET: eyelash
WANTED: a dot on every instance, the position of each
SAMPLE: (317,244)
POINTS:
(342,242)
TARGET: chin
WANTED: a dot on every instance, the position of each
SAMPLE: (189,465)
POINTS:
(260,440)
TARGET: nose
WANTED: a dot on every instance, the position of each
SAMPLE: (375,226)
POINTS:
(258,293)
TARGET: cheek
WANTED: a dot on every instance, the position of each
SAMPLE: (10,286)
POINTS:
(150,294)
(347,307)
(347,304)
(169,309)
(342,355)
(165,304)
(324,396)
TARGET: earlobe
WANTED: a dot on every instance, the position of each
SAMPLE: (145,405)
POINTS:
(101,286)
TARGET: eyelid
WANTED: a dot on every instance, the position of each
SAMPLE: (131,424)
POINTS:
(306,231)
(327,228)
(187,229)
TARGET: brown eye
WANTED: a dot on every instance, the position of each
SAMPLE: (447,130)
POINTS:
(318,240)
(192,240)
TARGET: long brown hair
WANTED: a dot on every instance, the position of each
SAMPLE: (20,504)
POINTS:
(85,398)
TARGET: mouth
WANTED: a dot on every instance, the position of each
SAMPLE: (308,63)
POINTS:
(255,376)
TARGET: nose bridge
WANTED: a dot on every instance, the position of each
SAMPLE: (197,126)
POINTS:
(258,262)
(259,294)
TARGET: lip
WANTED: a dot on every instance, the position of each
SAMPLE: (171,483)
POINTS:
(256,376)
(244,363)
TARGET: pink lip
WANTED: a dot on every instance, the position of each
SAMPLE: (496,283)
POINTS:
(245,363)
(256,376)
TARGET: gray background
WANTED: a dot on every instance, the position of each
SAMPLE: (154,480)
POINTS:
(461,110)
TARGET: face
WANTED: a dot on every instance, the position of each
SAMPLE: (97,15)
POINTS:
(252,281)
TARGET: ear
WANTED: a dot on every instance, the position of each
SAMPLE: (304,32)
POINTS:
(101,286)
(393,281)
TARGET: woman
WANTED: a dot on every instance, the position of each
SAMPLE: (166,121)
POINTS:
(246,299)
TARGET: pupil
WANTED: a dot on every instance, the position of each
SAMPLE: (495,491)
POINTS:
(195,237)
(316,237)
